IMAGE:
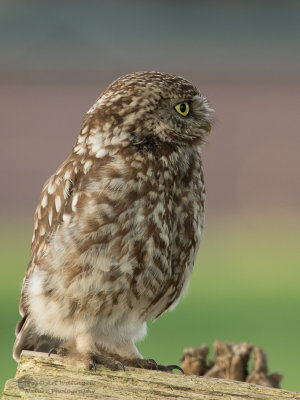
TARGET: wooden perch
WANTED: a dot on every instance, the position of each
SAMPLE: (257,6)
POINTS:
(41,377)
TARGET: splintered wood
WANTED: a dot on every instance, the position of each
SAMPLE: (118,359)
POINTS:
(230,361)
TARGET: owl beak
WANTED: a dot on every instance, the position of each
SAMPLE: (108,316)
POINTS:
(207,128)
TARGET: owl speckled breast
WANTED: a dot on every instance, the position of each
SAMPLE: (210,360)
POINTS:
(174,223)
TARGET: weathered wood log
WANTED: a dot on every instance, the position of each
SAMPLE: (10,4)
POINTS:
(41,377)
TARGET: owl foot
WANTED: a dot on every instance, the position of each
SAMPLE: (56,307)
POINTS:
(141,363)
(112,363)
(62,351)
(89,359)
(150,364)
(115,362)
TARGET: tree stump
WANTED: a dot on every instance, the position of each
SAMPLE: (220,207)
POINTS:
(230,361)
(41,377)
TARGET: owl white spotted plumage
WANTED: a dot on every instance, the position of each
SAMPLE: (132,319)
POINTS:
(118,225)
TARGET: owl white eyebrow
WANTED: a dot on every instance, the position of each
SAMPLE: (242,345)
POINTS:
(201,105)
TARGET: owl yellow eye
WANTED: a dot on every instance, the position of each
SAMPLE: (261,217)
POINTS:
(183,108)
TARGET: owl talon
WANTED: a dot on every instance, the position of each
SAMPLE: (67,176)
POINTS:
(171,367)
(122,365)
(60,351)
(112,363)
(151,364)
(94,365)
(51,351)
(144,364)
(155,365)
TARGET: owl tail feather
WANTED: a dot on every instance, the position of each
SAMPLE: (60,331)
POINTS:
(28,339)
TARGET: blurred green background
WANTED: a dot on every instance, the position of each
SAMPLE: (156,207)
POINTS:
(56,57)
(245,287)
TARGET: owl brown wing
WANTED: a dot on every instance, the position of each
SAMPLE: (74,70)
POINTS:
(55,205)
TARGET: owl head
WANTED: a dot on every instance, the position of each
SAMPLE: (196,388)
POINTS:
(152,104)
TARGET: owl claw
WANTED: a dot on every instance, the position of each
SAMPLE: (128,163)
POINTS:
(122,365)
(150,364)
(171,367)
(154,364)
(112,363)
(94,365)
(60,351)
(52,350)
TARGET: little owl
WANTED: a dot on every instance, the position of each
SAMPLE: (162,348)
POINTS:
(118,225)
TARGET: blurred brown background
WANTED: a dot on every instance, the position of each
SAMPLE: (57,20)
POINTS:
(57,56)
